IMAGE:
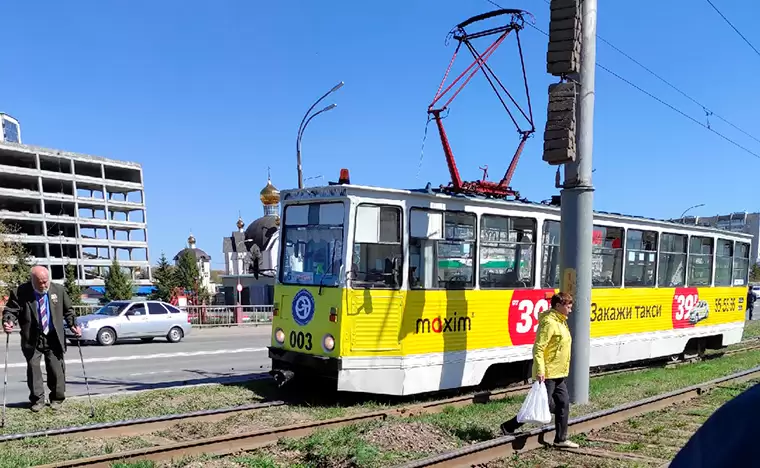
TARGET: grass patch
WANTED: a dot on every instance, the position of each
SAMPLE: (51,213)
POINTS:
(136,464)
(751,329)
(50,450)
(367,445)
(474,423)
(33,452)
(346,446)
(139,405)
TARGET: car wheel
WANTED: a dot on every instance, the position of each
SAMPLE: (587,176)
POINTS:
(174,335)
(147,340)
(106,336)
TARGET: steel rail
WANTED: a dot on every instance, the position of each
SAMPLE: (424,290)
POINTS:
(228,444)
(233,443)
(506,446)
(133,427)
(140,426)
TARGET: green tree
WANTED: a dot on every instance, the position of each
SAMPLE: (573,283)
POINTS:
(72,288)
(6,263)
(187,271)
(118,283)
(20,270)
(216,276)
(754,273)
(15,264)
(200,293)
(164,280)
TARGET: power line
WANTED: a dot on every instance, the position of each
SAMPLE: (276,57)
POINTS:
(733,27)
(708,111)
(671,85)
(677,110)
(670,106)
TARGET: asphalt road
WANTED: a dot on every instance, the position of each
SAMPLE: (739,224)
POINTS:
(205,356)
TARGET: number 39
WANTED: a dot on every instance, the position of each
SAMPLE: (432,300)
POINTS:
(685,304)
(529,314)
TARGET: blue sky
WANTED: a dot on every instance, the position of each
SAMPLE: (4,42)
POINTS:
(207,95)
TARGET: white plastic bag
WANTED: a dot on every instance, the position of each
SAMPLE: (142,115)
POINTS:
(535,409)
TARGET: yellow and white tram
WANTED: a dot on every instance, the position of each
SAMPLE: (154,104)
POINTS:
(401,292)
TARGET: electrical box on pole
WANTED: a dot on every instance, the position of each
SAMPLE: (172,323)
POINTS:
(564,60)
(564,54)
(559,135)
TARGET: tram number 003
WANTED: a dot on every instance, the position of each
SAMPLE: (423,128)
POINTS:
(300,340)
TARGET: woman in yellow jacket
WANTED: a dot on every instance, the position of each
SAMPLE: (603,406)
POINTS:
(551,365)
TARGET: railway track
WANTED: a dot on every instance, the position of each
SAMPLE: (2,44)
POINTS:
(480,454)
(227,444)
(136,427)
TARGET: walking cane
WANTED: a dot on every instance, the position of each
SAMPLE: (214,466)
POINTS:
(87,384)
(5,378)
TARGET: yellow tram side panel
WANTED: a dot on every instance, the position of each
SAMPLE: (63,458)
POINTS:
(401,323)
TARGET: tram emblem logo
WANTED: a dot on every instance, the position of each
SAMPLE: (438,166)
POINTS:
(303,307)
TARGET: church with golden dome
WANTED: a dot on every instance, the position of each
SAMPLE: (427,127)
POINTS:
(260,241)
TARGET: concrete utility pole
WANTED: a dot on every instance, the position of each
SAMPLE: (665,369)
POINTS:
(577,211)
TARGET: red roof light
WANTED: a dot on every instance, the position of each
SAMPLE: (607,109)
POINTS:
(344,178)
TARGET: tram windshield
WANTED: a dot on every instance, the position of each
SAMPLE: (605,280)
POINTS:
(313,244)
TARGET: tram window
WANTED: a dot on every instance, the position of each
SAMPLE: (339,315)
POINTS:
(550,255)
(377,254)
(700,261)
(672,261)
(741,264)
(312,250)
(607,256)
(724,261)
(444,259)
(507,246)
(641,258)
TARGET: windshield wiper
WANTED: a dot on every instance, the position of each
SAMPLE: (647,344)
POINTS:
(329,270)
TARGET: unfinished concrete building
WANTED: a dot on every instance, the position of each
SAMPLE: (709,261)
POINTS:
(69,208)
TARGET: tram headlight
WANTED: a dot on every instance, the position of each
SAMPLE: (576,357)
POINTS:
(328,342)
(279,336)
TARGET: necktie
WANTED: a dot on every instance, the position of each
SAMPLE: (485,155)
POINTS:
(43,315)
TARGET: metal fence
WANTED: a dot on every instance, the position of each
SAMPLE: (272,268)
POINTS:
(215,315)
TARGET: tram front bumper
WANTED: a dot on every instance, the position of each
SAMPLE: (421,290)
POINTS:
(286,363)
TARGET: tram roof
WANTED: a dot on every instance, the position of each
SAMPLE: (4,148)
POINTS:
(343,190)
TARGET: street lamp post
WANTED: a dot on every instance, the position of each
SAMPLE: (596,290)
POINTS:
(60,246)
(304,122)
(689,209)
(239,267)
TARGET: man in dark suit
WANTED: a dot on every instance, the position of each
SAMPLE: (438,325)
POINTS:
(40,307)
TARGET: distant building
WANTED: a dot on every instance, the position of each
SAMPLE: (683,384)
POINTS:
(259,241)
(203,261)
(736,222)
(10,130)
(70,208)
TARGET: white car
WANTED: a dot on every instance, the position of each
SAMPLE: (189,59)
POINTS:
(144,320)
(699,312)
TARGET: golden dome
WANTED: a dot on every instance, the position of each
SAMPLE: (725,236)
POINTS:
(269,195)
(240,223)
(191,240)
